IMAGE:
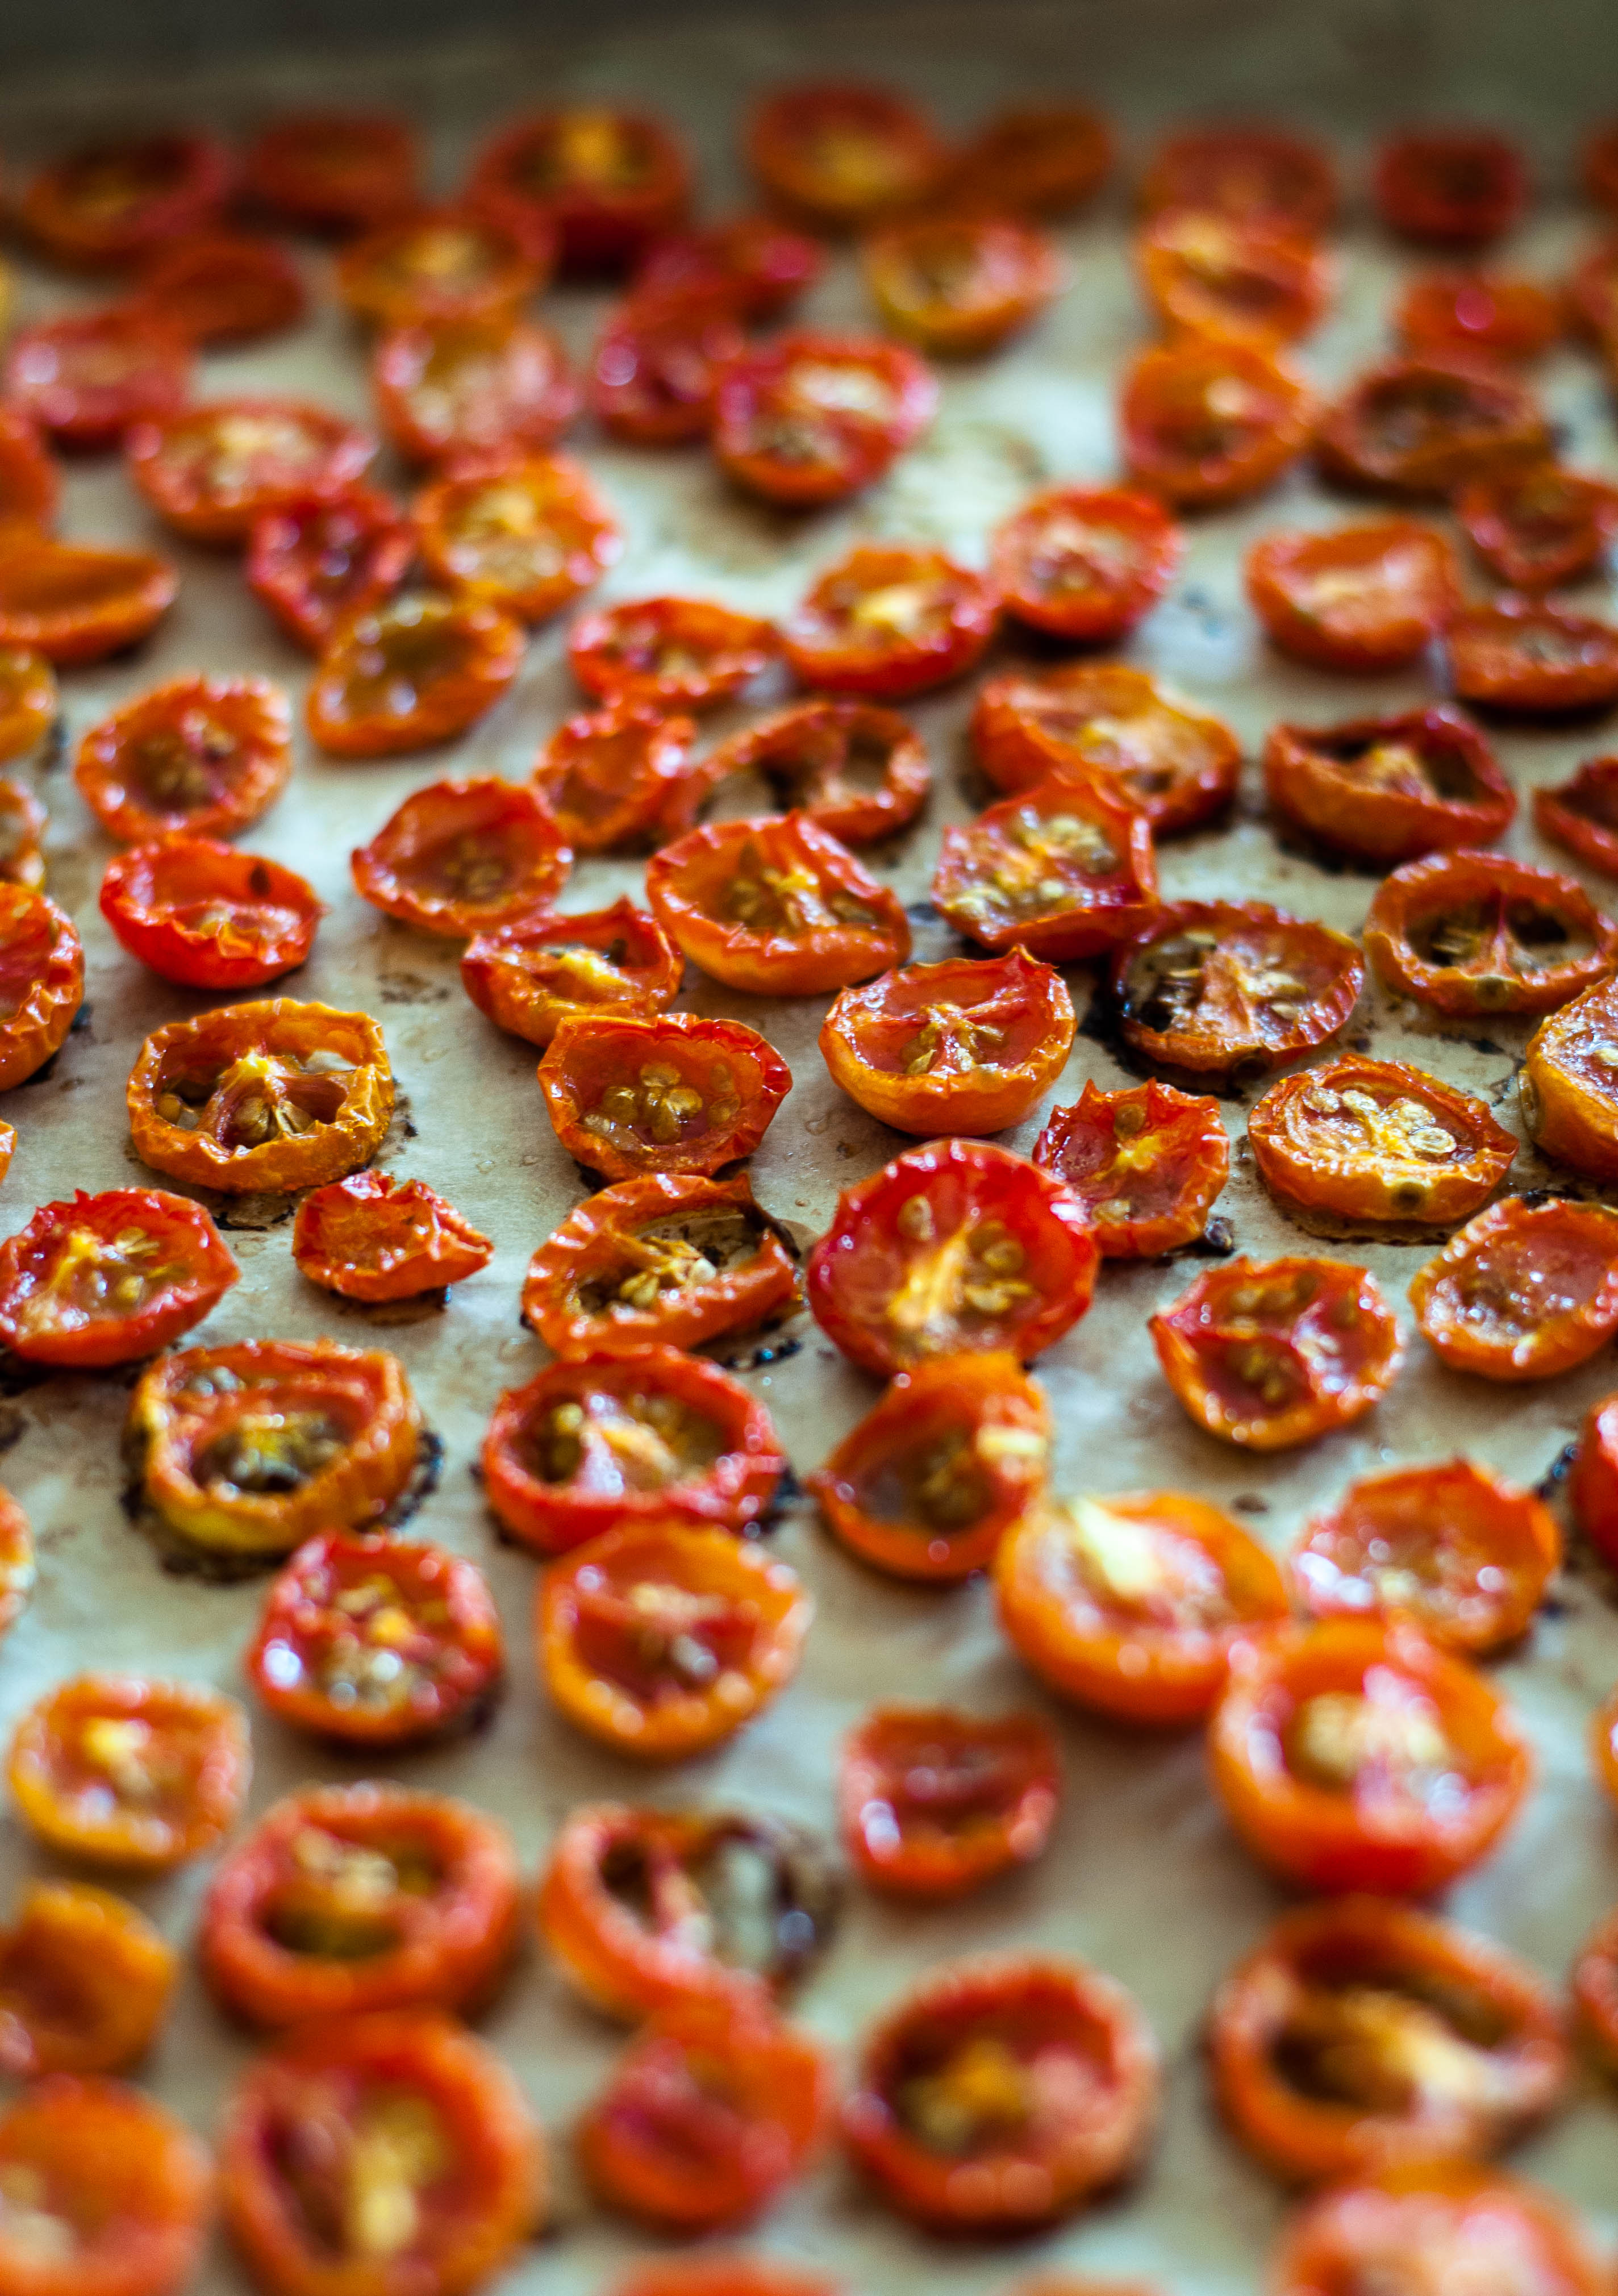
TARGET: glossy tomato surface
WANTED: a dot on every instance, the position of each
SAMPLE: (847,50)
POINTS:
(527,533)
(1437,2225)
(222,287)
(1250,171)
(41,982)
(657,363)
(777,906)
(457,265)
(684,653)
(317,562)
(966,1046)
(1108,722)
(1270,1353)
(669,1091)
(1422,426)
(1085,563)
(109,204)
(1362,598)
(841,154)
(72,602)
(211,470)
(1537,526)
(1233,987)
(202,914)
(1467,932)
(84,1982)
(851,767)
(1524,1290)
(1489,314)
(1362,1139)
(1525,655)
(452,387)
(1568,1088)
(1205,422)
(109,1278)
(86,380)
(201,755)
(1146,1162)
(1250,281)
(810,418)
(958,284)
(410,672)
(608,183)
(464,856)
(127,2190)
(888,622)
(531,975)
(621,777)
(1451,187)
(1065,870)
(372,1237)
(934,1802)
(122,1771)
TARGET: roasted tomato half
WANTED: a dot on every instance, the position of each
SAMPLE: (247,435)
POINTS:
(1568,1088)
(1450,187)
(1251,174)
(411,672)
(1426,426)
(1002,2094)
(662,1637)
(375,1642)
(672,653)
(1522,654)
(203,914)
(637,1438)
(110,203)
(935,1802)
(669,1092)
(1065,870)
(1512,319)
(1355,1755)
(1478,932)
(675,1260)
(1085,563)
(965,1046)
(245,1451)
(1032,159)
(648,1909)
(762,265)
(75,604)
(842,154)
(891,622)
(1594,1493)
(1523,1291)
(851,768)
(527,533)
(223,287)
(809,418)
(1360,2034)
(205,756)
(1205,421)
(1205,273)
(28,709)
(530,976)
(777,907)
(374,2153)
(1108,722)
(348,1897)
(620,776)
(951,1249)
(456,387)
(446,266)
(274,1095)
(1387,790)
(608,183)
(929,1483)
(1131,1604)
(111,2196)
(119,1770)
(1438,2226)
(314,565)
(84,1982)
(1538,526)
(211,471)
(333,171)
(1146,1162)
(657,363)
(1234,987)
(1362,1139)
(372,1237)
(41,982)
(959,283)
(111,1278)
(1270,1353)
(29,479)
(460,858)
(87,380)
(1367,598)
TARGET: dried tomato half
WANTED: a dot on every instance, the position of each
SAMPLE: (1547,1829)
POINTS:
(657,361)
(1438,2226)
(1085,563)
(376,1642)
(1568,1088)
(1131,1605)
(1363,598)
(1234,987)
(75,603)
(445,264)
(1426,426)
(117,1769)
(809,418)
(372,1237)
(662,1637)
(675,1260)
(1146,1162)
(452,387)
(41,982)
(108,1278)
(667,1092)
(935,1802)
(201,755)
(88,379)
(842,154)
(930,1483)
(1251,174)
(631,1438)
(1255,281)
(84,1982)
(1065,870)
(966,1046)
(1364,1139)
(1479,932)
(1524,1290)
(208,917)
(530,976)
(620,776)
(411,672)
(673,653)
(763,267)
(351,1897)
(1450,187)
(1498,317)
(320,560)
(1002,2094)
(22,817)
(29,479)
(333,171)
(1204,421)
(1524,654)
(851,768)
(1536,526)
(890,621)
(111,2194)
(958,284)
(1360,2034)
(955,1248)
(1270,1353)
(610,183)
(211,471)
(1032,159)
(1108,723)
(110,203)
(1594,1492)
(1387,790)
(528,533)
(223,287)
(271,1094)
(460,858)
(776,905)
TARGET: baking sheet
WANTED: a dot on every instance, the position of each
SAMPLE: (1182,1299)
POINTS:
(1143,1877)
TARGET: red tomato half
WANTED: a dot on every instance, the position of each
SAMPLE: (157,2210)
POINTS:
(120,1770)
(1106,722)
(527,533)
(669,653)
(777,907)
(762,265)
(887,623)
(1252,174)
(530,976)
(1032,159)
(1438,2227)
(203,756)
(88,380)
(1377,1141)
(1270,1353)
(1238,282)
(333,171)
(1524,1290)
(413,670)
(321,560)
(372,1237)
(211,471)
(1426,426)
(608,183)
(451,387)
(1503,318)
(108,1279)
(460,858)
(667,1092)
(822,758)
(118,2194)
(1566,1090)
(1365,598)
(207,915)
(809,418)
(843,153)
(1234,987)
(1538,526)
(222,288)
(1085,563)
(1205,422)
(1524,655)
(657,363)
(963,1046)
(1387,790)
(29,480)
(934,1803)
(456,264)
(1146,1164)
(1479,932)
(41,982)
(1067,870)
(1451,187)
(958,283)
(73,604)
(110,203)
(620,776)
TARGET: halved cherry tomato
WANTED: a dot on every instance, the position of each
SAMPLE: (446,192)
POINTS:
(29,480)
(88,379)
(671,653)
(935,1802)
(1146,1162)
(1270,1353)
(22,817)
(1032,159)
(851,767)
(1251,174)
(202,755)
(620,776)
(1595,1981)
(1002,2094)
(1085,563)
(527,533)
(375,1642)
(108,1279)
(958,284)
(662,1637)
(452,387)
(709,2115)
(1234,987)
(220,287)
(74,603)
(372,1237)
(1503,318)
(930,1483)
(1594,1485)
(17,1570)
(247,1450)
(41,982)
(117,1769)
(110,2195)
(111,203)
(657,361)
(1355,1755)
(1207,421)
(1251,282)
(1131,1604)
(1524,1290)
(1426,426)
(1450,187)
(677,1261)
(965,1046)
(1568,1088)
(323,559)
(1108,722)
(530,976)
(270,1095)
(84,1982)
(1363,598)
(1539,526)
(351,1897)
(1387,790)
(670,1092)
(955,1248)
(1524,654)
(1362,1139)
(646,1909)
(1065,870)
(460,858)
(887,622)
(212,472)
(410,673)
(842,154)
(758,262)
(336,171)
(1479,932)
(208,917)
(609,183)
(445,264)
(776,905)
(631,1439)
(371,2155)
(1438,2226)
(1360,2034)
(810,417)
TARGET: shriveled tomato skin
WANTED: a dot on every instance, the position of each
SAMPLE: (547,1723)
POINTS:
(148,1828)
(1412,904)
(657,363)
(1455,187)
(1310,784)
(481,653)
(933,1803)
(836,644)
(1108,1146)
(1524,655)
(522,976)
(1480,1302)
(40,1323)
(868,1039)
(1236,281)
(1581,815)
(372,1237)
(1419,596)
(1486,314)
(464,856)
(131,2183)
(622,777)
(42,962)
(84,1982)
(126,593)
(802,752)
(1231,1029)
(1440,2221)
(669,653)
(588,1047)
(174,464)
(223,287)
(1568,1088)
(29,479)
(547,505)
(162,901)
(1165,417)
(1109,723)
(713,893)
(1067,870)
(1422,426)
(1394,1171)
(239,726)
(1121,586)
(170,184)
